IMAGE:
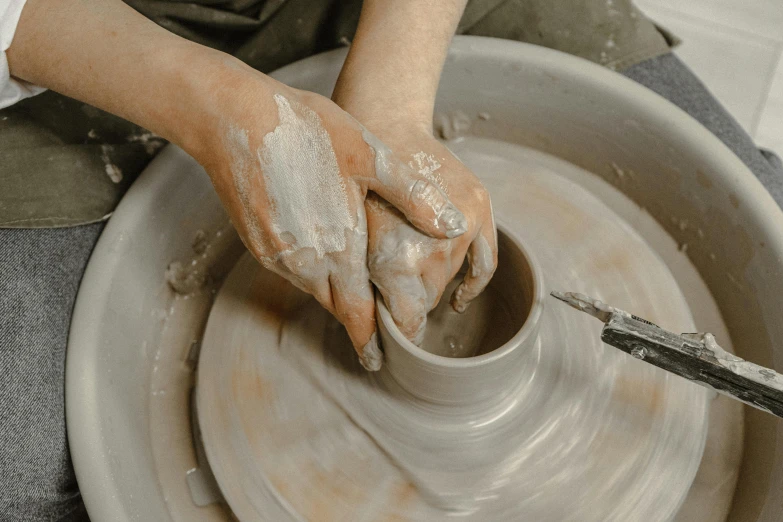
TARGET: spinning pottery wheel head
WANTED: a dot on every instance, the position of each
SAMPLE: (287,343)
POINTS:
(561,428)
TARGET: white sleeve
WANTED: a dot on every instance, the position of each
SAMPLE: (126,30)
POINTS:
(11,89)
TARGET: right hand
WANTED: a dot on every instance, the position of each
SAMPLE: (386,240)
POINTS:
(293,171)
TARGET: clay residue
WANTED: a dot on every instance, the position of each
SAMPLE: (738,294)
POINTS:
(371,356)
(452,125)
(186,279)
(428,166)
(152,142)
(303,181)
(112,171)
(741,367)
(583,303)
(203,268)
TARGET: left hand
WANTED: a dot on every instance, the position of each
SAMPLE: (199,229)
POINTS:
(410,269)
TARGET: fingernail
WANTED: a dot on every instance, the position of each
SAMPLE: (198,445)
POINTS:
(453,221)
(371,356)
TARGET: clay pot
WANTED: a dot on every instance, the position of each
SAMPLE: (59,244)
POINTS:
(511,308)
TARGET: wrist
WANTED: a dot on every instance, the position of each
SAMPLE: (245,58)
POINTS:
(369,95)
(379,119)
(185,108)
(207,88)
(392,71)
(382,116)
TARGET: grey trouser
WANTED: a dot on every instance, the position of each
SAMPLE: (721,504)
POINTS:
(40,270)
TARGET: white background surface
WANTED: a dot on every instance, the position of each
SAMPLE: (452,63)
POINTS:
(736,48)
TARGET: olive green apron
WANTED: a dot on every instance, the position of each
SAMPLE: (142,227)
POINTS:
(65,163)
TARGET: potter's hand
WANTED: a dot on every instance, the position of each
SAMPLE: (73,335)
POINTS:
(291,167)
(293,171)
(388,83)
(411,270)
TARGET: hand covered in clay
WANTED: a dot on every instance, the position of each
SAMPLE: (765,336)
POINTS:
(389,82)
(293,170)
(411,269)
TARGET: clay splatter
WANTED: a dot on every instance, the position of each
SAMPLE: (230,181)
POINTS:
(303,181)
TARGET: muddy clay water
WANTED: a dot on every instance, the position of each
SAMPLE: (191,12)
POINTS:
(294,429)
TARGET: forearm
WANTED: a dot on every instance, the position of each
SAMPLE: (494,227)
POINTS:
(396,59)
(106,54)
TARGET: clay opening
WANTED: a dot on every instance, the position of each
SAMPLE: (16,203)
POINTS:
(493,318)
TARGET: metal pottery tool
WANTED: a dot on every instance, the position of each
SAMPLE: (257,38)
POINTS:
(694,356)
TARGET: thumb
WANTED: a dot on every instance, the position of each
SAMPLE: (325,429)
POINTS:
(482,262)
(422,202)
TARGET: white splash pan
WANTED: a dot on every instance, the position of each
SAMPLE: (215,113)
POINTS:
(129,470)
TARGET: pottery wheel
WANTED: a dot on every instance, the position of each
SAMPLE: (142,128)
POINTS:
(295,430)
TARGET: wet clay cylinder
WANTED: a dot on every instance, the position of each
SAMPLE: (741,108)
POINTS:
(491,339)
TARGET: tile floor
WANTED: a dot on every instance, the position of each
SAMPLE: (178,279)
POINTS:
(736,48)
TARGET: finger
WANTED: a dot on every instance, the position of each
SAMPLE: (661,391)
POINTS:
(322,293)
(406,299)
(482,262)
(435,282)
(424,204)
(354,307)
(314,280)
